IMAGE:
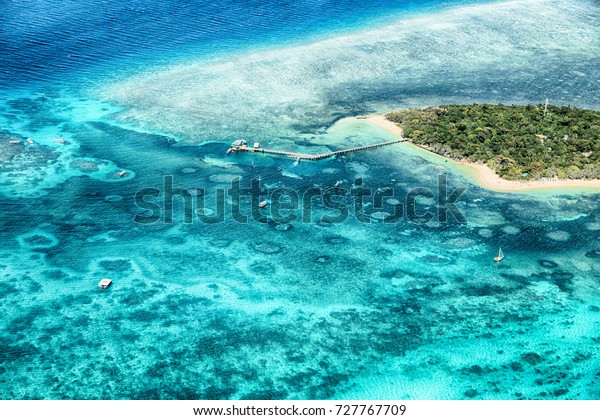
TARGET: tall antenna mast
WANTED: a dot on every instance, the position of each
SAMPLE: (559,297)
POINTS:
(546,108)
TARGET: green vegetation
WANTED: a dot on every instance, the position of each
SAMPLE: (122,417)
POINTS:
(518,142)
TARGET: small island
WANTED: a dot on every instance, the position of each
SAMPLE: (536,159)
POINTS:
(520,143)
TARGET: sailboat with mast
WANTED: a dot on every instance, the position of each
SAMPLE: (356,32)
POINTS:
(500,256)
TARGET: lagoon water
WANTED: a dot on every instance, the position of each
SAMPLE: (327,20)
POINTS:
(267,309)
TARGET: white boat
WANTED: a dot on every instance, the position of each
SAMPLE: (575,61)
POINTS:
(122,173)
(262,204)
(500,256)
(29,141)
(239,143)
(14,142)
(105,283)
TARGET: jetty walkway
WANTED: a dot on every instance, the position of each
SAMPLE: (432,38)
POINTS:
(243,147)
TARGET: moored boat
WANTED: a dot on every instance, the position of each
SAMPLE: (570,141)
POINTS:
(105,283)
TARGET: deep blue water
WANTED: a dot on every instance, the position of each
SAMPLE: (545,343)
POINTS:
(271,309)
(43,40)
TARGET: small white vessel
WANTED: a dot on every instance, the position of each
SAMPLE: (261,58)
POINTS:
(122,173)
(29,141)
(262,204)
(105,283)
(500,256)
(14,142)
(239,143)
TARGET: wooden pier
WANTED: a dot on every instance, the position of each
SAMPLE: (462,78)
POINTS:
(305,156)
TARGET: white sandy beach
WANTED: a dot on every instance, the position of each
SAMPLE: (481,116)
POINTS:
(485,177)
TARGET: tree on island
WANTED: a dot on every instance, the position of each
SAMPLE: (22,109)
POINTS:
(518,142)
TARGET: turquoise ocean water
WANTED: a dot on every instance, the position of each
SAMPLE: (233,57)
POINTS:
(267,309)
